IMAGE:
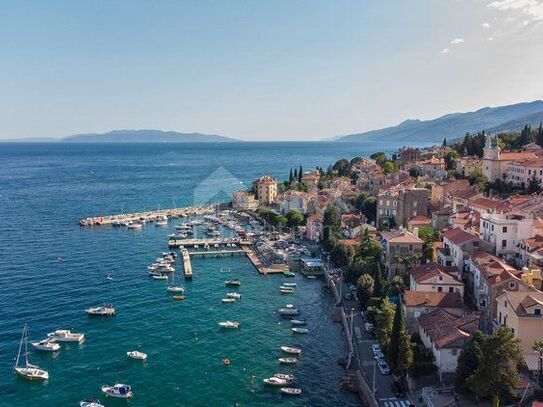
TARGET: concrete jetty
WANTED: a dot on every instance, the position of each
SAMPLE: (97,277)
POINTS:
(187,266)
(190,243)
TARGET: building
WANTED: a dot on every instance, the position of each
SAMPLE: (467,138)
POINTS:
(530,252)
(293,200)
(466,166)
(400,249)
(352,224)
(496,162)
(311,266)
(458,245)
(311,178)
(440,218)
(519,173)
(445,334)
(314,227)
(461,198)
(408,155)
(441,189)
(504,232)
(433,167)
(417,303)
(416,222)
(396,205)
(266,190)
(244,200)
(522,313)
(432,277)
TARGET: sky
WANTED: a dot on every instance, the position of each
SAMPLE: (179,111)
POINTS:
(260,70)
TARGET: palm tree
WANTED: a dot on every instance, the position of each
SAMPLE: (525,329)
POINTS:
(538,347)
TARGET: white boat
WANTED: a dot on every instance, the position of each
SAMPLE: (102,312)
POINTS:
(135,225)
(94,402)
(122,391)
(298,322)
(300,330)
(292,351)
(175,287)
(288,361)
(28,371)
(160,277)
(233,283)
(64,335)
(284,376)
(228,300)
(161,223)
(286,290)
(229,324)
(288,311)
(46,345)
(289,284)
(276,381)
(236,296)
(137,355)
(291,391)
(103,311)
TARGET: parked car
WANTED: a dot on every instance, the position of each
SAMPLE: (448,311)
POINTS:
(368,327)
(379,354)
(383,367)
(398,388)
(375,347)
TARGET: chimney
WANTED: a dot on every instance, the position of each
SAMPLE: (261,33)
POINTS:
(416,231)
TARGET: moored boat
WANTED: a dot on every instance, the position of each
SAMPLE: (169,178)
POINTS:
(289,284)
(300,330)
(28,371)
(292,351)
(46,345)
(288,311)
(103,311)
(178,297)
(288,361)
(236,296)
(160,277)
(276,381)
(122,391)
(228,300)
(137,355)
(298,321)
(285,376)
(65,335)
(93,402)
(229,324)
(232,283)
(291,391)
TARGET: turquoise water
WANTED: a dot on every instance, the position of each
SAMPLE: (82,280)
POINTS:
(46,189)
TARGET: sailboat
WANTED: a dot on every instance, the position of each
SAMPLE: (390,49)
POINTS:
(175,288)
(28,371)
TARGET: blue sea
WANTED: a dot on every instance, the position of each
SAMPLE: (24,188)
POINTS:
(46,188)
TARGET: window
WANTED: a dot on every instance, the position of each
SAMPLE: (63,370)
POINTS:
(511,284)
(492,228)
(451,289)
(483,303)
(440,278)
(504,229)
(504,243)
(505,303)
(380,201)
(439,289)
(537,311)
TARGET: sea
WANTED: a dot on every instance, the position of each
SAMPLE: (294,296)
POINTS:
(51,269)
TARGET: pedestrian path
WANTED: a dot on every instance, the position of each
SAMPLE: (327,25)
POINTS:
(394,402)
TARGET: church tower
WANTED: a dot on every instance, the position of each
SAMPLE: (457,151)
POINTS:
(491,158)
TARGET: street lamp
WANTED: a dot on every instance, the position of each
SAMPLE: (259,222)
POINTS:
(374,369)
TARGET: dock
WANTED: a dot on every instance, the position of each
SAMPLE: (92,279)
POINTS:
(191,243)
(187,266)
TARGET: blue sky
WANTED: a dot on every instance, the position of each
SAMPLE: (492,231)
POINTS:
(261,70)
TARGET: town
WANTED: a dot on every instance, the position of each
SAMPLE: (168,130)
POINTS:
(437,255)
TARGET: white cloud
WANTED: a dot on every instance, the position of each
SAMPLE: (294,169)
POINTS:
(531,8)
(485,25)
(445,51)
(457,41)
(491,38)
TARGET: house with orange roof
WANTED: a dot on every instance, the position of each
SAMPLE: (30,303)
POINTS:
(520,172)
(293,200)
(400,250)
(458,245)
(496,162)
(417,303)
(433,167)
(530,251)
(461,198)
(489,205)
(466,166)
(433,277)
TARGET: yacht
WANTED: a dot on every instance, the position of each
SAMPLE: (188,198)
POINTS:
(103,311)
(233,283)
(64,335)
(276,381)
(122,391)
(235,296)
(161,223)
(175,287)
(229,324)
(160,277)
(284,376)
(46,345)
(300,330)
(292,351)
(28,371)
(298,322)
(94,402)
(227,300)
(137,355)
(288,361)
(291,391)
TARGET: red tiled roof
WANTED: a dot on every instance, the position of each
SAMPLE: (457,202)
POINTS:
(510,156)
(432,299)
(489,204)
(420,220)
(447,330)
(458,236)
(426,271)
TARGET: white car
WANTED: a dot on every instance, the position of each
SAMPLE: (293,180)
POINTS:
(383,368)
(368,327)
(375,347)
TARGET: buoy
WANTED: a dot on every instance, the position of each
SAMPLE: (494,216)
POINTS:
(226,362)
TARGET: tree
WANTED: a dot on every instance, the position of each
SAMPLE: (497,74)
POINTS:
(400,351)
(290,177)
(538,347)
(533,186)
(342,255)
(397,286)
(423,359)
(295,174)
(450,157)
(539,134)
(379,289)
(384,319)
(497,374)
(342,168)
(295,218)
(332,219)
(444,142)
(389,167)
(415,172)
(300,174)
(468,361)
(379,157)
(364,289)
(477,179)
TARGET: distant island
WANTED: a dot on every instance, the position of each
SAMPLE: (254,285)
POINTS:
(135,136)
(456,125)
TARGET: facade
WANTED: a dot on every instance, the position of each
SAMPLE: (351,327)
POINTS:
(466,166)
(433,167)
(408,155)
(293,200)
(417,303)
(457,247)
(266,190)
(496,162)
(314,227)
(519,173)
(504,232)
(399,246)
(401,204)
(432,277)
(441,189)
(244,200)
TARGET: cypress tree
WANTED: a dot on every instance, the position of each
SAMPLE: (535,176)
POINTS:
(379,284)
(539,136)
(300,174)
(290,177)
(400,352)
(445,142)
(295,174)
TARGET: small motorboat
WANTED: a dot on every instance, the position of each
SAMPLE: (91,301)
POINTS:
(175,289)
(228,300)
(235,296)
(94,402)
(276,381)
(288,311)
(135,225)
(232,283)
(300,330)
(298,321)
(289,284)
(288,361)
(286,290)
(160,277)
(312,277)
(109,277)
(137,355)
(291,391)
(46,345)
(287,273)
(121,391)
(284,376)
(103,311)
(161,223)
(178,297)
(292,351)
(229,324)
(64,335)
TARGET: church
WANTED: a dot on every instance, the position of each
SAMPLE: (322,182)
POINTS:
(496,162)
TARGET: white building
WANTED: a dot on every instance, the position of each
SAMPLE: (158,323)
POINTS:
(521,172)
(505,231)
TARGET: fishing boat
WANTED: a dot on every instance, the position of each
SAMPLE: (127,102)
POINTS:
(46,345)
(229,324)
(93,402)
(298,322)
(103,311)
(288,361)
(289,284)
(228,300)
(160,277)
(121,391)
(300,330)
(284,376)
(288,311)
(64,335)
(291,391)
(292,351)
(137,355)
(236,296)
(178,297)
(233,283)
(276,381)
(28,371)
